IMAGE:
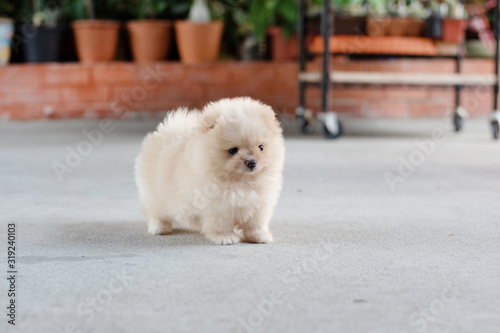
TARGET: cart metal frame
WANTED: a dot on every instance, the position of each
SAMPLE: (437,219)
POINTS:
(332,126)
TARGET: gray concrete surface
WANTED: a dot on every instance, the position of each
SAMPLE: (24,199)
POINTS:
(350,254)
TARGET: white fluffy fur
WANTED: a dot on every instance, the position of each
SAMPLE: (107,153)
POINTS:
(186,175)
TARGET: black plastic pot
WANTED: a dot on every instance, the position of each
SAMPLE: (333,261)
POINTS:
(342,24)
(434,26)
(313,24)
(42,44)
(349,25)
(250,49)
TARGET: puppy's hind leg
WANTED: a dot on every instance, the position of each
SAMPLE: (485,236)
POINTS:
(159,227)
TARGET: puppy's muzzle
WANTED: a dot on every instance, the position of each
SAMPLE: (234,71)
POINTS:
(251,164)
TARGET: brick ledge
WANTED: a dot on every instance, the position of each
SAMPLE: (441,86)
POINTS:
(113,89)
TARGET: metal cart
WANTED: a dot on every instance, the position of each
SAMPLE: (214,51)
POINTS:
(331,125)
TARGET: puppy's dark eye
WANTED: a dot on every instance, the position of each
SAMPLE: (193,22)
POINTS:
(233,151)
(261,147)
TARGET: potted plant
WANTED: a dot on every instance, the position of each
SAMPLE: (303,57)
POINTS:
(42,34)
(416,19)
(96,39)
(377,23)
(238,38)
(399,22)
(350,17)
(250,48)
(149,37)
(277,18)
(434,22)
(480,37)
(199,37)
(6,31)
(454,23)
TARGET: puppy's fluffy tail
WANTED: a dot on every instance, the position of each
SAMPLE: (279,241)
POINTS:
(175,128)
(178,124)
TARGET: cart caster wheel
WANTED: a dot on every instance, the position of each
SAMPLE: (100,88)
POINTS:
(330,135)
(304,125)
(495,126)
(459,118)
(332,128)
(495,121)
(302,120)
(458,122)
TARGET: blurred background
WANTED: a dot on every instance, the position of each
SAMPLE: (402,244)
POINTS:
(393,227)
(83,58)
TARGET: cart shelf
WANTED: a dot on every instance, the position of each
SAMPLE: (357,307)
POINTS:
(400,78)
(329,43)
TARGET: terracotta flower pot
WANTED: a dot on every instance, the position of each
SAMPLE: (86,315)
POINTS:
(96,40)
(281,48)
(150,39)
(398,26)
(454,30)
(285,49)
(377,26)
(198,42)
(415,27)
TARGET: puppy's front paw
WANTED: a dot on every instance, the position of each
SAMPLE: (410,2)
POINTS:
(260,238)
(228,239)
(160,228)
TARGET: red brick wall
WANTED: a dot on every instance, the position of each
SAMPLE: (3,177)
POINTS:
(102,90)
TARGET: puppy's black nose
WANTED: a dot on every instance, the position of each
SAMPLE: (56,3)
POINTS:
(251,164)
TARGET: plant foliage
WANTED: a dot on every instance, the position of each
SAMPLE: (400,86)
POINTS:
(266,13)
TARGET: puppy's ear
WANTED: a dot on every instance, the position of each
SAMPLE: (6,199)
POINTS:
(271,120)
(209,121)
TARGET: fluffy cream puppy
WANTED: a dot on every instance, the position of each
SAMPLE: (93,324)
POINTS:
(218,171)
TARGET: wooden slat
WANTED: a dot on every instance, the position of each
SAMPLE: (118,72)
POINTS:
(401,78)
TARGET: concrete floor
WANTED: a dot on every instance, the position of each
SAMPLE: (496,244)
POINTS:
(350,253)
